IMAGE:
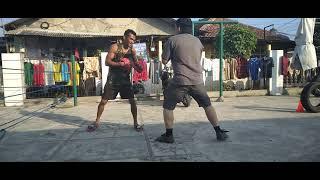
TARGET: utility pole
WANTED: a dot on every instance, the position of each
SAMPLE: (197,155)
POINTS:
(221,25)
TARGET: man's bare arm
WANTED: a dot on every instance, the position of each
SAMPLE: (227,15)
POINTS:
(111,54)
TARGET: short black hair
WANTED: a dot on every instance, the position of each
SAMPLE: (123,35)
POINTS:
(129,31)
(185,24)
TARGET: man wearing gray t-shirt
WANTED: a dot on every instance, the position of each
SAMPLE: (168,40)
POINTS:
(184,50)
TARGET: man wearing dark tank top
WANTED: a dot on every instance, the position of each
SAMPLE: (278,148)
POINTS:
(121,58)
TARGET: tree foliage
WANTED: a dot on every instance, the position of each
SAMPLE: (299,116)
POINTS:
(237,40)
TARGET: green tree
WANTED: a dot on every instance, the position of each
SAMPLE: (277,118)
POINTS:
(237,40)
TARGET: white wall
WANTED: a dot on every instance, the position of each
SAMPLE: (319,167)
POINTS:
(13,80)
(276,82)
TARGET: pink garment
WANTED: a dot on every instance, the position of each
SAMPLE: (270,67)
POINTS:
(143,75)
(38,75)
(76,54)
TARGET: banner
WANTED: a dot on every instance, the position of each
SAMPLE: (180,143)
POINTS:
(141,49)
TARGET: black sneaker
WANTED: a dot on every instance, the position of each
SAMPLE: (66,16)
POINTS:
(165,139)
(222,135)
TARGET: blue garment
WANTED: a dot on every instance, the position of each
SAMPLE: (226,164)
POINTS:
(253,68)
(65,72)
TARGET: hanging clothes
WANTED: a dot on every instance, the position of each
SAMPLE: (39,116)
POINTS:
(284,65)
(144,72)
(266,67)
(226,70)
(233,68)
(57,71)
(28,73)
(143,76)
(49,79)
(70,83)
(215,69)
(65,72)
(207,68)
(38,76)
(76,54)
(91,67)
(207,64)
(290,70)
(71,74)
(253,68)
(90,86)
(242,68)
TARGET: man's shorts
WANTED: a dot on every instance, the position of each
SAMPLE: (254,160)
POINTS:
(111,91)
(174,94)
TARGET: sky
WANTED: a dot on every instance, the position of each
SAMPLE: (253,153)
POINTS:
(285,26)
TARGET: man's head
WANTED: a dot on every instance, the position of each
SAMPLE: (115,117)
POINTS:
(184,25)
(129,37)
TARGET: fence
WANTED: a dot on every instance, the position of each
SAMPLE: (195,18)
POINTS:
(25,79)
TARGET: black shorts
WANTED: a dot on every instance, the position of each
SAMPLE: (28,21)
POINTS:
(174,94)
(111,91)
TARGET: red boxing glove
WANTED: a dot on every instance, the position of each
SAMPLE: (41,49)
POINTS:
(127,64)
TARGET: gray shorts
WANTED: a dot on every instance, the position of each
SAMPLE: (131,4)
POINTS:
(174,94)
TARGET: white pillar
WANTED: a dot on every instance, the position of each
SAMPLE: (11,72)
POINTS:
(13,80)
(160,51)
(203,55)
(276,82)
(105,69)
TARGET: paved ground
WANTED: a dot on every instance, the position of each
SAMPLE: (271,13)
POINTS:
(262,128)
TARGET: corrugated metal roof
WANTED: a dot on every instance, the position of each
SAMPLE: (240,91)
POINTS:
(36,32)
(94,27)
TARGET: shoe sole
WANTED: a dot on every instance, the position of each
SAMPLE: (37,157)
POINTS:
(169,142)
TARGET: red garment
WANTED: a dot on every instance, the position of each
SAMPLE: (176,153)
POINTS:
(38,75)
(285,65)
(143,75)
(242,70)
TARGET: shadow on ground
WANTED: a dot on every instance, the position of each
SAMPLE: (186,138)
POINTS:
(262,139)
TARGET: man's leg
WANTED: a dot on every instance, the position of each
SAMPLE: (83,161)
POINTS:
(100,109)
(168,118)
(134,110)
(172,94)
(110,92)
(126,92)
(211,115)
(198,92)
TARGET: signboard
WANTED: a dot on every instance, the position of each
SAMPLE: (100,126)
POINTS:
(141,49)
